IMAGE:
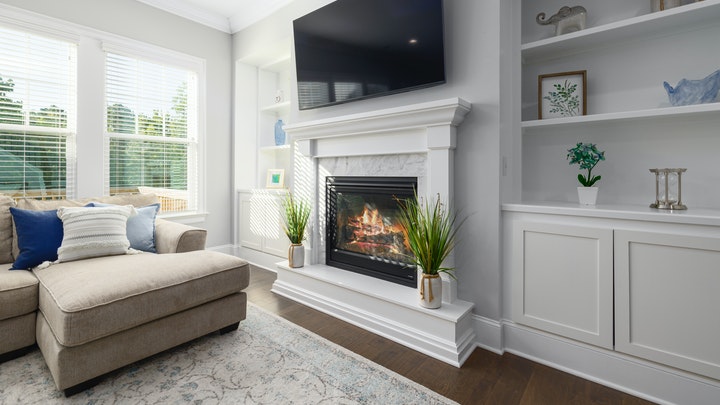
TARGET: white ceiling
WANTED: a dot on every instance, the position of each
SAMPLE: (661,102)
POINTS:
(225,15)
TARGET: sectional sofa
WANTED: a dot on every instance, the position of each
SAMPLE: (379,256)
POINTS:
(92,315)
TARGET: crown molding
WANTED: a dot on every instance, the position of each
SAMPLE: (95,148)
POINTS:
(190,12)
(252,15)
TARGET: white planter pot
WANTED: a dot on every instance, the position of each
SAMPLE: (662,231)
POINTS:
(587,195)
(296,255)
(429,290)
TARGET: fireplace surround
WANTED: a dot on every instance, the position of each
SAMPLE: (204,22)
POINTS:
(362,229)
(409,141)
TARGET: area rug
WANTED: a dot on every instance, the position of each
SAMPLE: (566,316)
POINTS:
(267,361)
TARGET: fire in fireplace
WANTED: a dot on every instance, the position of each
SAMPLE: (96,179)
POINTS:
(363,231)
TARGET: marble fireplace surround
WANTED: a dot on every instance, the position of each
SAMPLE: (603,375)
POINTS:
(415,140)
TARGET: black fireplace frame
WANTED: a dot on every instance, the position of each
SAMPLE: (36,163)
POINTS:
(401,187)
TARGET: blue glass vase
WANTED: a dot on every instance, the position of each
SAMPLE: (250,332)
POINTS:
(279,133)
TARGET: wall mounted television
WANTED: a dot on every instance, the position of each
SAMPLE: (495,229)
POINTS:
(356,49)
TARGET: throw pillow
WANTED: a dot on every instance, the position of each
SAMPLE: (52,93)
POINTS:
(93,232)
(141,227)
(39,235)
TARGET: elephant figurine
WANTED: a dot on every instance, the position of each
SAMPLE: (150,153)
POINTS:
(567,19)
(689,92)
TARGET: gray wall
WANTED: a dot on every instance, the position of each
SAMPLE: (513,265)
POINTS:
(473,61)
(132,19)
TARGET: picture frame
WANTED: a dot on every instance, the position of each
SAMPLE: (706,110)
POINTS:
(562,95)
(275,178)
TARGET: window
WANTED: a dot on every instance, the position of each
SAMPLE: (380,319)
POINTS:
(37,115)
(151,137)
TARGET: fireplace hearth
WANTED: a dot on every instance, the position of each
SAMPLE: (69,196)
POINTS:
(363,231)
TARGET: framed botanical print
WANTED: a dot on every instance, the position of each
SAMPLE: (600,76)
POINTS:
(562,94)
(275,178)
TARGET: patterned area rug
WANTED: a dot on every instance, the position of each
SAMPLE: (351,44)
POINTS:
(267,361)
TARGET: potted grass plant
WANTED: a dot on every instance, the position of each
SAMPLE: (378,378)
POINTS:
(297,214)
(587,156)
(431,232)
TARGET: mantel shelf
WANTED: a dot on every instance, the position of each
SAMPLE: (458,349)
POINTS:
(673,20)
(694,111)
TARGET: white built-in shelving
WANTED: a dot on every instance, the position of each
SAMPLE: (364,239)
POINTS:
(628,51)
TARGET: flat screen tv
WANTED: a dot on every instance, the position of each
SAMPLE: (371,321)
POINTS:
(355,49)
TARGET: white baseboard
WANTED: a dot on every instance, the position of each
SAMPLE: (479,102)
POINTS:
(641,378)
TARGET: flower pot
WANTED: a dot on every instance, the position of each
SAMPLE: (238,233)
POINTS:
(587,195)
(296,255)
(429,290)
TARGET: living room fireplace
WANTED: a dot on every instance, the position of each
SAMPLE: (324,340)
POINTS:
(363,231)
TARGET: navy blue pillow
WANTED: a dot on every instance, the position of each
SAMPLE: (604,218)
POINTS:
(39,235)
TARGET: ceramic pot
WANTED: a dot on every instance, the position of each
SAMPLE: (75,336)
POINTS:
(587,195)
(429,290)
(296,255)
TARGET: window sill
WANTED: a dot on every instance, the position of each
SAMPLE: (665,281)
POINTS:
(187,218)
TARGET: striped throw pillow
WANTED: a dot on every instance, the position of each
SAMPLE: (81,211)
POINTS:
(93,232)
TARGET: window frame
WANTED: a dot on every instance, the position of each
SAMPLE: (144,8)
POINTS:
(89,172)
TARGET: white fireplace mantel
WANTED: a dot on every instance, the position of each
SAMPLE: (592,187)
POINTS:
(427,130)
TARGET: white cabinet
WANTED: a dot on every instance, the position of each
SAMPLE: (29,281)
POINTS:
(666,299)
(642,284)
(563,280)
(261,222)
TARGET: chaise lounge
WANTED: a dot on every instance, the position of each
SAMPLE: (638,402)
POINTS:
(94,315)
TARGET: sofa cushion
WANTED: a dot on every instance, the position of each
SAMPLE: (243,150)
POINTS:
(38,234)
(89,299)
(93,231)
(18,292)
(140,227)
(6,229)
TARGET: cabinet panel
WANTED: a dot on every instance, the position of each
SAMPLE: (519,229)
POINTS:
(562,282)
(666,292)
(261,222)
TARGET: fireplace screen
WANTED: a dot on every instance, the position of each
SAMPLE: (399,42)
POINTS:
(363,231)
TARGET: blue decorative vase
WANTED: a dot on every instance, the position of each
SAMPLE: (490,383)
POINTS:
(690,92)
(279,133)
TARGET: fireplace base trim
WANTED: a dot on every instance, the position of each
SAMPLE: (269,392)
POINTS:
(384,308)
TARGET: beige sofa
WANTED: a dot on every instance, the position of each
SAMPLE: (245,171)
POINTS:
(92,316)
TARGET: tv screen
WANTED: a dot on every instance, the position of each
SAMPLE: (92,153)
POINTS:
(355,49)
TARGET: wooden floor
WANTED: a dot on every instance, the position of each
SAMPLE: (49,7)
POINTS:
(485,378)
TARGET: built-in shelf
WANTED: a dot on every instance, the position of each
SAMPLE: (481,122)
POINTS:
(690,111)
(275,148)
(666,22)
(277,107)
(280,64)
(691,216)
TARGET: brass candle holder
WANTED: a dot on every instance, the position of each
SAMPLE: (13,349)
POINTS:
(668,189)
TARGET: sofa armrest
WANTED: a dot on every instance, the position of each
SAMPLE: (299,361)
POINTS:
(172,237)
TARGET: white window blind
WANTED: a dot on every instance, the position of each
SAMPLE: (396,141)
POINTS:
(37,115)
(151,131)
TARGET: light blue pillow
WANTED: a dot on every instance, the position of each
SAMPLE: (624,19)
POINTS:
(39,235)
(140,227)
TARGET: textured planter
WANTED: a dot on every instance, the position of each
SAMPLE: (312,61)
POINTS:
(296,255)
(429,290)
(587,195)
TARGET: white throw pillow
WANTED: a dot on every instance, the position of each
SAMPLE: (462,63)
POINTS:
(93,232)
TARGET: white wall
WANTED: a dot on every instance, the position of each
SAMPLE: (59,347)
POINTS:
(472,40)
(138,21)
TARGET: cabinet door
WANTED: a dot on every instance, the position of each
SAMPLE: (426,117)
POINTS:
(562,280)
(667,298)
(276,242)
(249,236)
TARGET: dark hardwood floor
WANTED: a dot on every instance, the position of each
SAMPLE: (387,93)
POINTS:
(485,378)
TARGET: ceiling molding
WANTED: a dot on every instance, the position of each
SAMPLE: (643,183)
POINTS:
(251,15)
(199,15)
